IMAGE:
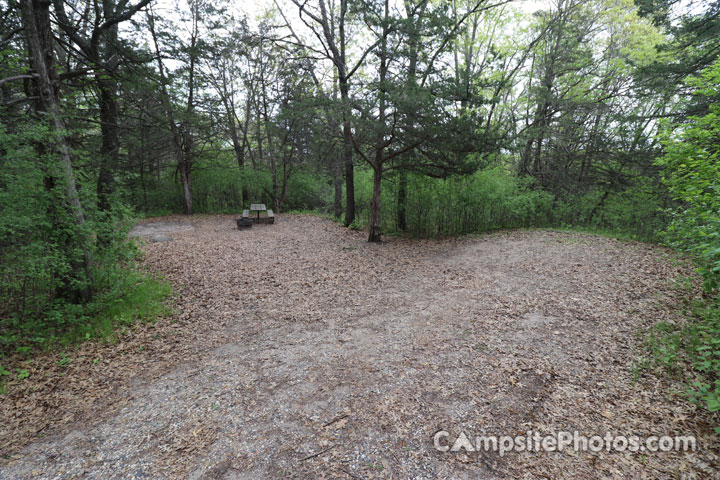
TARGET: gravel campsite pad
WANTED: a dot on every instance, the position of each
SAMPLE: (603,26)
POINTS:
(299,350)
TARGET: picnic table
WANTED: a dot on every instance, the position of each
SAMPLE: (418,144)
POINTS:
(257,208)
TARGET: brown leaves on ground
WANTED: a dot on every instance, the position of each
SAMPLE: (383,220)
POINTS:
(300,350)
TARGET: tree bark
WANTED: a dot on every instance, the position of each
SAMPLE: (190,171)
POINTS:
(375,234)
(338,186)
(375,207)
(339,158)
(349,173)
(414,43)
(344,85)
(402,201)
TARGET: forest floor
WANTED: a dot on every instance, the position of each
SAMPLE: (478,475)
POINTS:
(299,350)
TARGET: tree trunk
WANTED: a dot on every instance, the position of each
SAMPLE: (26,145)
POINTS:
(109,111)
(181,140)
(100,49)
(275,184)
(110,146)
(238,147)
(188,139)
(402,201)
(344,85)
(348,156)
(414,44)
(375,205)
(338,186)
(186,181)
(378,162)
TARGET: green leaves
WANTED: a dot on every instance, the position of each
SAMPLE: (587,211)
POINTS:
(691,171)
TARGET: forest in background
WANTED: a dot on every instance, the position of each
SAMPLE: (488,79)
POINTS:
(406,117)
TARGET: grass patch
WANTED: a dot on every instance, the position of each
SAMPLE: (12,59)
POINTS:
(133,296)
(602,232)
(136,296)
(144,298)
(692,347)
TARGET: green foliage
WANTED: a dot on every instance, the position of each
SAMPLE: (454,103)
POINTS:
(41,244)
(308,191)
(695,344)
(494,198)
(691,170)
(218,187)
(487,200)
(634,213)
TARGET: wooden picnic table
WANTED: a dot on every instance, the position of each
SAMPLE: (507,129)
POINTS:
(260,207)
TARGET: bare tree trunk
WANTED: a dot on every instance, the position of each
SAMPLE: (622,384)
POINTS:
(375,234)
(142,167)
(187,132)
(349,172)
(402,201)
(375,206)
(338,186)
(238,147)
(339,159)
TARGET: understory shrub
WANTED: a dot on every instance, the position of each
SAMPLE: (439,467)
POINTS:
(41,246)
(691,170)
(489,199)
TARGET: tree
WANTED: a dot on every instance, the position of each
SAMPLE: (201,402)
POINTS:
(333,121)
(331,32)
(182,132)
(693,44)
(228,43)
(102,50)
(588,126)
(410,109)
(38,34)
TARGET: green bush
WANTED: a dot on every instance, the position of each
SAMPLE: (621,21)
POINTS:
(635,212)
(309,191)
(691,170)
(494,198)
(40,245)
(487,200)
(219,185)
(696,345)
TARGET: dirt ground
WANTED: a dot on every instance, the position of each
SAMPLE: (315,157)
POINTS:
(299,350)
